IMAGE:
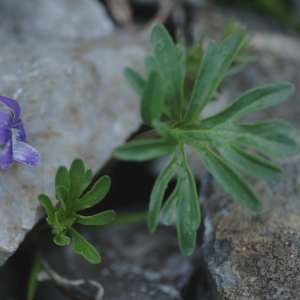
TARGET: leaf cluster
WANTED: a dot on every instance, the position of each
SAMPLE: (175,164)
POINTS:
(70,192)
(228,146)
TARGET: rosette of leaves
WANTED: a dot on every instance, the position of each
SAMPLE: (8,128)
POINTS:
(70,191)
(228,146)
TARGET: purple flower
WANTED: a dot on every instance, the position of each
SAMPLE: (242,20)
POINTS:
(13,136)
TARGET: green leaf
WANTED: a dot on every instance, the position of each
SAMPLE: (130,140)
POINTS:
(95,195)
(150,64)
(62,177)
(267,128)
(169,209)
(144,149)
(48,206)
(152,101)
(249,163)
(214,66)
(99,219)
(136,81)
(188,191)
(167,58)
(158,192)
(274,145)
(62,195)
(231,182)
(77,172)
(33,278)
(61,240)
(87,178)
(251,101)
(186,233)
(84,248)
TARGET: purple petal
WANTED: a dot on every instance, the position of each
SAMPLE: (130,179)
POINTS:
(5,118)
(6,157)
(5,135)
(12,104)
(25,154)
(20,131)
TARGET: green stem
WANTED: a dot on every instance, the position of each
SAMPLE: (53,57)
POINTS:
(130,218)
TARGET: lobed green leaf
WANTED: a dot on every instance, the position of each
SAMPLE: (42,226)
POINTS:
(136,81)
(152,101)
(84,248)
(144,149)
(95,195)
(250,164)
(99,219)
(214,65)
(77,171)
(231,182)
(251,101)
(48,206)
(158,193)
(169,61)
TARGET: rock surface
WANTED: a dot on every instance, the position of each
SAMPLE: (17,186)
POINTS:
(75,101)
(258,257)
(56,18)
(136,265)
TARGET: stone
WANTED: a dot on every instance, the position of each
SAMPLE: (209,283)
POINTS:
(135,264)
(75,103)
(258,256)
(56,18)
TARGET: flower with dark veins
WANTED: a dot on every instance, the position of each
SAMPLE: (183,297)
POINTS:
(13,136)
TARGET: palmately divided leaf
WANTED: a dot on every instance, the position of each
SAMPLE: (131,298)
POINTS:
(167,58)
(48,206)
(251,101)
(214,66)
(250,164)
(136,81)
(95,195)
(144,149)
(84,248)
(152,101)
(99,219)
(158,193)
(231,182)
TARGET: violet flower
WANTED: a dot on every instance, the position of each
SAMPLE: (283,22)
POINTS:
(13,136)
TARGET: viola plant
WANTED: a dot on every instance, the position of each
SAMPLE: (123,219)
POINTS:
(13,136)
(70,187)
(228,146)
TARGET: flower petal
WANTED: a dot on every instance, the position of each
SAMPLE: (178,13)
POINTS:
(5,135)
(25,154)
(6,157)
(13,105)
(5,118)
(20,131)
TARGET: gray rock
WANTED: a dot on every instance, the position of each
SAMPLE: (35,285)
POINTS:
(75,104)
(258,257)
(135,264)
(83,19)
